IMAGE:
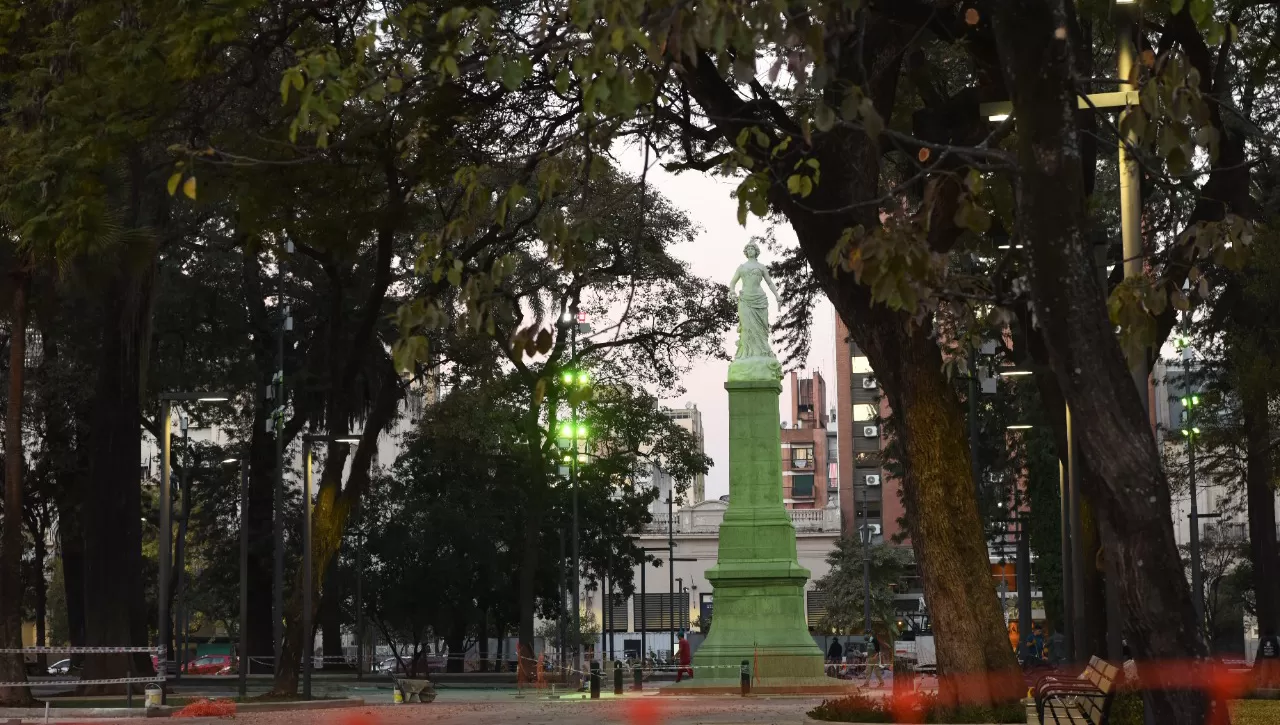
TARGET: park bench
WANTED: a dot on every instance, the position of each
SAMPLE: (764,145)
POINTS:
(421,689)
(1090,695)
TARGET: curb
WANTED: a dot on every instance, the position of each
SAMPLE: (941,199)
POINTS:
(115,713)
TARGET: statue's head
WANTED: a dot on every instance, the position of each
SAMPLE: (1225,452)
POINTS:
(751,250)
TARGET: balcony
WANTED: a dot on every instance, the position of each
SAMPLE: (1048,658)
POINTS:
(705,518)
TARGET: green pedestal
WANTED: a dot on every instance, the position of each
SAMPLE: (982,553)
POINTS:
(758,583)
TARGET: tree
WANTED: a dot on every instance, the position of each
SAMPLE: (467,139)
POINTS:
(844,588)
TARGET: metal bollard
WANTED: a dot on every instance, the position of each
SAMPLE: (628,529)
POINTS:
(617,677)
(746,678)
(595,680)
(638,673)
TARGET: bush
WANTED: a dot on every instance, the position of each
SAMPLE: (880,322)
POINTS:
(926,709)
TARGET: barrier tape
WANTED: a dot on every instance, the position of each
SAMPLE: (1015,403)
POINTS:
(82,651)
(77,683)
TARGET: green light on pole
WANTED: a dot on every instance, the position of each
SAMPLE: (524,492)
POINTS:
(566,430)
(568,377)
(582,431)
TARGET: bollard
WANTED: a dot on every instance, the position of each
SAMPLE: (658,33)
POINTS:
(638,672)
(617,677)
(746,678)
(128,686)
(595,680)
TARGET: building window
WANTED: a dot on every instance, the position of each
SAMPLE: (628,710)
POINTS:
(802,486)
(815,606)
(802,457)
(864,412)
(655,610)
(615,614)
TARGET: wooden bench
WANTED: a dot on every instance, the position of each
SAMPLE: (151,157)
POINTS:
(421,689)
(1090,694)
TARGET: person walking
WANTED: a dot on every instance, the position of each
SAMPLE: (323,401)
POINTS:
(873,660)
(685,658)
(834,653)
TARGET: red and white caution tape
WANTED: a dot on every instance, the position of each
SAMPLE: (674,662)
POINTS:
(80,650)
(77,683)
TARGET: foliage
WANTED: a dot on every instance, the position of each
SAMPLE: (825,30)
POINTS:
(926,708)
(843,584)
(588,631)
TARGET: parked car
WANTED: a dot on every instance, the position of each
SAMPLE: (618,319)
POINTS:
(209,665)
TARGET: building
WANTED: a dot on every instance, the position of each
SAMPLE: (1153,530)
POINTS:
(810,473)
(868,496)
(690,418)
(677,594)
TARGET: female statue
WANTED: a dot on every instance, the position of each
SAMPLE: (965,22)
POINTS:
(753,307)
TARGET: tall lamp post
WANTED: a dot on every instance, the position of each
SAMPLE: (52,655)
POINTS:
(308,636)
(164,632)
(575,322)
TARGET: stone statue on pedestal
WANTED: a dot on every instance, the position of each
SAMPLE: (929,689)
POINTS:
(755,359)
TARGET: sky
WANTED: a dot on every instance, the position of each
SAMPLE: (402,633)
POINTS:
(716,253)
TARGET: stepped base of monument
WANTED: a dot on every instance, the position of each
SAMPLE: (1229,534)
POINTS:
(766,686)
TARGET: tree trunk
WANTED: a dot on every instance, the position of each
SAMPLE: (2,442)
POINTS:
(330,514)
(1262,513)
(71,547)
(113,600)
(482,641)
(12,668)
(526,660)
(1131,491)
(331,619)
(456,642)
(42,600)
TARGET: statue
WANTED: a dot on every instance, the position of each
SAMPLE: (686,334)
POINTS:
(755,359)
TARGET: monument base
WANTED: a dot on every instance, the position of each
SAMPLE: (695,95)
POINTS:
(774,686)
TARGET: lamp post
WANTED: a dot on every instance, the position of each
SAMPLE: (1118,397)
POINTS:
(167,400)
(575,322)
(1191,433)
(308,636)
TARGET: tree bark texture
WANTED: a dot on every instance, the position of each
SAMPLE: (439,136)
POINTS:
(946,531)
(526,664)
(113,592)
(1261,497)
(12,668)
(330,514)
(1131,491)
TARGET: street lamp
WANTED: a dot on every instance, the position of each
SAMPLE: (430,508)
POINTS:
(166,514)
(308,636)
(1191,432)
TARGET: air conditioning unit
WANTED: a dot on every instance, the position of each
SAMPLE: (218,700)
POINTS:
(870,431)
(874,528)
(868,383)
(871,479)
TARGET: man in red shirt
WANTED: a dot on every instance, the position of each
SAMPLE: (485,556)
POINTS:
(685,656)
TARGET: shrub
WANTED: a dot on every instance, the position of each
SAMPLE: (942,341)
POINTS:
(925,709)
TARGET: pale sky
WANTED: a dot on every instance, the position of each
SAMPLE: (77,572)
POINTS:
(716,252)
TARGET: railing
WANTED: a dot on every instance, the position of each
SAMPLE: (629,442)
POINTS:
(693,521)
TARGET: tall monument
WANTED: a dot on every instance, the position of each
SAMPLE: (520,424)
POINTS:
(759,611)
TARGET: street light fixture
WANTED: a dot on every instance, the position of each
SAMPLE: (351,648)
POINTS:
(308,636)
(167,400)
(1020,426)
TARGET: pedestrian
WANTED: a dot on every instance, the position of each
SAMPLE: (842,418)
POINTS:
(835,651)
(685,658)
(873,660)
(1057,647)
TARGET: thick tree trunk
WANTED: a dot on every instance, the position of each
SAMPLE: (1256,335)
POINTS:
(331,619)
(113,592)
(11,666)
(71,547)
(330,514)
(456,642)
(526,664)
(262,476)
(1262,513)
(1132,493)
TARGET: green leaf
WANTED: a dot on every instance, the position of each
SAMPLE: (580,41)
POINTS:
(394,84)
(189,188)
(1175,6)
(824,117)
(173,183)
(793,184)
(1201,11)
(871,120)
